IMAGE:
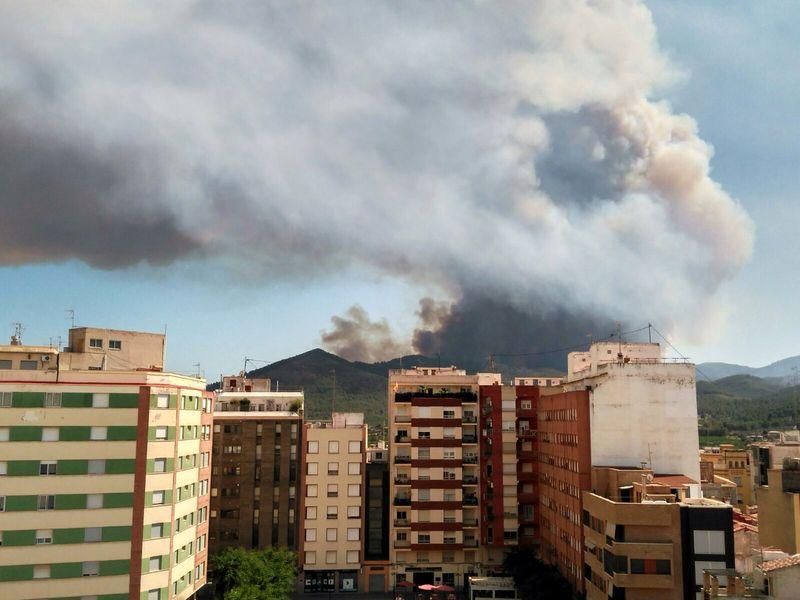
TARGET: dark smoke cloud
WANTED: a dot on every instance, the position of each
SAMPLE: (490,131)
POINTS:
(479,325)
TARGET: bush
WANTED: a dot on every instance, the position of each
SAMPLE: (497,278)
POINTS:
(254,574)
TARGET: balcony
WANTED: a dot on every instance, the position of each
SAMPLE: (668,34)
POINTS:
(470,500)
(470,522)
(402,418)
(402,480)
(469,439)
(402,523)
(402,460)
(470,459)
(469,419)
(465,397)
(469,480)
(405,544)
(470,543)
(402,501)
(402,439)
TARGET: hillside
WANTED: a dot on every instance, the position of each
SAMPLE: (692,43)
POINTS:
(357,388)
(721,412)
(784,368)
(737,387)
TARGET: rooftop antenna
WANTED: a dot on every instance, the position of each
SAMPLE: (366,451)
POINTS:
(650,332)
(16,337)
(197,374)
(491,362)
(71,316)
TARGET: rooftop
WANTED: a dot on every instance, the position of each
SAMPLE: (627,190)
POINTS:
(782,563)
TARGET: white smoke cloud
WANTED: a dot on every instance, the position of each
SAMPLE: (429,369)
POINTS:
(517,146)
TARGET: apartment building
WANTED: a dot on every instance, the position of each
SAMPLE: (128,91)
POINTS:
(435,482)
(377,507)
(332,524)
(527,403)
(648,538)
(499,505)
(779,507)
(258,439)
(620,405)
(731,464)
(104,475)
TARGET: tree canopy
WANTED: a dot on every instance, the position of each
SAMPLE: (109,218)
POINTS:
(534,579)
(254,574)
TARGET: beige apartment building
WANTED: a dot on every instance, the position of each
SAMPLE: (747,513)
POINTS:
(732,464)
(436,514)
(647,538)
(104,478)
(332,524)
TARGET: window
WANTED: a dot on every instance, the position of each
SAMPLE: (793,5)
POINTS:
(91,568)
(95,343)
(44,536)
(448,475)
(330,557)
(41,571)
(157,530)
(28,365)
(332,512)
(424,435)
(354,468)
(94,501)
(353,512)
(48,467)
(330,535)
(310,558)
(158,497)
(52,400)
(162,401)
(115,344)
(98,433)
(709,542)
(333,468)
(154,564)
(423,453)
(311,513)
(313,447)
(354,447)
(424,494)
(93,534)
(3,468)
(448,414)
(353,534)
(311,491)
(449,453)
(354,490)
(5,399)
(449,433)
(5,364)
(99,400)
(159,465)
(49,434)
(3,434)
(333,447)
(311,535)
(352,557)
(2,503)
(333,490)
(424,538)
(161,433)
(312,468)
(47,502)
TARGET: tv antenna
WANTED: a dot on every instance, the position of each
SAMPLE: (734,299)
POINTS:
(16,337)
(71,316)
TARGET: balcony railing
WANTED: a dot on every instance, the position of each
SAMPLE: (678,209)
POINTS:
(470,522)
(402,523)
(470,543)
(402,418)
(469,419)
(402,460)
(469,480)
(470,460)
(469,397)
(470,500)
(402,439)
(402,544)
(402,480)
(402,501)
(469,439)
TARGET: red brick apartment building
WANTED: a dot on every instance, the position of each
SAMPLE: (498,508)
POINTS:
(564,448)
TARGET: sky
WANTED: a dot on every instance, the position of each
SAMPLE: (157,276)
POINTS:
(729,72)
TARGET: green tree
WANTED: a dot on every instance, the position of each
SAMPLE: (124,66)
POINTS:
(534,579)
(254,574)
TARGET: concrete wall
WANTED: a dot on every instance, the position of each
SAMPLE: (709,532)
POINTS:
(784,583)
(778,515)
(646,411)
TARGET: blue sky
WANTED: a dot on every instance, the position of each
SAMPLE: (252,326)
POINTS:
(741,87)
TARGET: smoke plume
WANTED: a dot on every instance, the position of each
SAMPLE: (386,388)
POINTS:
(515,156)
(356,337)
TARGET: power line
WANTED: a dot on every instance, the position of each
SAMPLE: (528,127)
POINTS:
(678,352)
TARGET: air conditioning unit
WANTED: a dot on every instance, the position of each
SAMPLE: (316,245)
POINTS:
(45,358)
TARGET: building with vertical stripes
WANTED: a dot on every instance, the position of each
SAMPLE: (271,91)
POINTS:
(104,473)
